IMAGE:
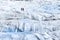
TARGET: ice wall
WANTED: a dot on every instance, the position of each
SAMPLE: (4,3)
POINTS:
(29,20)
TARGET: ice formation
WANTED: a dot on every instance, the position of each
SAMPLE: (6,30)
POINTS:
(29,20)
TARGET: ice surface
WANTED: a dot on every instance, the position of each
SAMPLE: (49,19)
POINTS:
(29,20)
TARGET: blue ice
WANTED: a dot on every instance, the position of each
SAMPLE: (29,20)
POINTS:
(27,24)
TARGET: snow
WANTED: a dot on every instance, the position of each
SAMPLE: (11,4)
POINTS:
(40,20)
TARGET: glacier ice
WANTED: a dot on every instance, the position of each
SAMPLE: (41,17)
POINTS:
(30,20)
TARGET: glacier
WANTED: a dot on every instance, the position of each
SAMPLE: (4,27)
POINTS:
(29,20)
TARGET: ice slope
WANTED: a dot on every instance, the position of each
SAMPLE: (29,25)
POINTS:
(40,20)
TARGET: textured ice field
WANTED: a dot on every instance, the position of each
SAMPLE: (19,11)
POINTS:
(29,20)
